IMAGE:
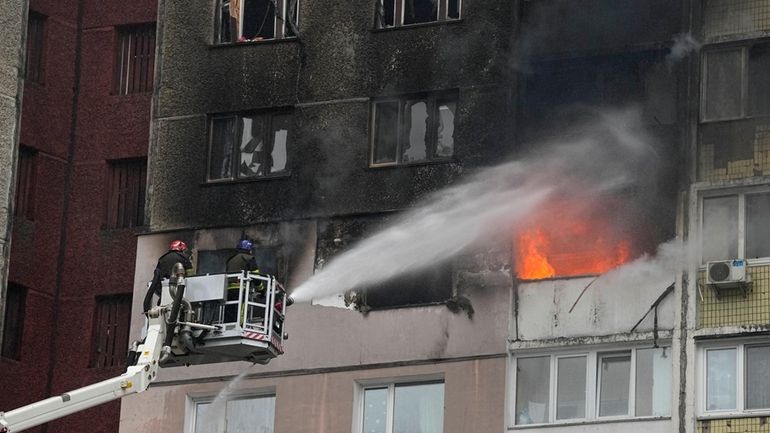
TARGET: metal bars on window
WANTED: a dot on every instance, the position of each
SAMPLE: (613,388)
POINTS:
(112,318)
(35,47)
(127,191)
(136,59)
(24,200)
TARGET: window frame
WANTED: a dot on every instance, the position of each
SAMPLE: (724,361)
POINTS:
(191,410)
(35,54)
(741,194)
(593,384)
(268,132)
(399,8)
(278,23)
(740,377)
(112,208)
(22,293)
(390,384)
(26,173)
(433,100)
(124,77)
(118,356)
(745,103)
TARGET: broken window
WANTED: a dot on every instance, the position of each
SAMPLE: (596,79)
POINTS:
(127,191)
(135,68)
(34,71)
(112,319)
(403,408)
(249,146)
(238,414)
(256,20)
(561,387)
(734,226)
(24,200)
(13,324)
(394,13)
(735,83)
(413,129)
(424,287)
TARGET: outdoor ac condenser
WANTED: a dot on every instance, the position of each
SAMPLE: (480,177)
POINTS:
(728,274)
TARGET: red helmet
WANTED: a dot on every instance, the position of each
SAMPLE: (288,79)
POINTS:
(177,245)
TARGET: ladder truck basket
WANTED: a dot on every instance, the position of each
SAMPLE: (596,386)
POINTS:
(244,313)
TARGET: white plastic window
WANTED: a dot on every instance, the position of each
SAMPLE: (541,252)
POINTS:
(403,408)
(237,415)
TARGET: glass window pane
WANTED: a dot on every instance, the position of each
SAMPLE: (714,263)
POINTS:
(757,377)
(419,409)
(375,410)
(276,159)
(757,228)
(445,142)
(571,388)
(759,85)
(202,422)
(453,9)
(720,379)
(221,157)
(416,125)
(615,377)
(258,19)
(533,377)
(722,88)
(385,134)
(420,11)
(653,382)
(387,13)
(252,147)
(720,228)
(252,415)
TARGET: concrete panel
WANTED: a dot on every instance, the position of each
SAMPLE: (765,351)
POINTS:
(543,309)
(631,426)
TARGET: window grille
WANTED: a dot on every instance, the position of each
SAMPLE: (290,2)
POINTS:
(136,59)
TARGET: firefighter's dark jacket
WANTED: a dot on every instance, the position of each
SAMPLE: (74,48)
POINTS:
(163,270)
(241,262)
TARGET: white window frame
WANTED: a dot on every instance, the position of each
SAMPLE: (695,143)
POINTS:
(442,14)
(740,372)
(191,406)
(362,385)
(593,385)
(741,193)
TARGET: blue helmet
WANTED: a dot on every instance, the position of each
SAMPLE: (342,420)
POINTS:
(245,245)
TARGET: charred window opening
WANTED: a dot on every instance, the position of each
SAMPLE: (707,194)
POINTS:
(34,71)
(270,259)
(13,325)
(112,319)
(735,83)
(135,68)
(413,129)
(256,20)
(249,145)
(24,201)
(395,13)
(735,226)
(127,192)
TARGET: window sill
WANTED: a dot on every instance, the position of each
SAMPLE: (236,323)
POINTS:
(590,422)
(734,119)
(291,39)
(419,25)
(443,161)
(400,307)
(733,415)
(283,175)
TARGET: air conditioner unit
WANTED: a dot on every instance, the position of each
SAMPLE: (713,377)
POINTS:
(728,274)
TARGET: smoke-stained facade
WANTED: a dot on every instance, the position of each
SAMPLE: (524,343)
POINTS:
(312,131)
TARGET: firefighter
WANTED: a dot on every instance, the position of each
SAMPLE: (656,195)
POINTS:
(177,253)
(242,260)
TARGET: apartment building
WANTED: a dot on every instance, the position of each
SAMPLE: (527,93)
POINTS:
(79,199)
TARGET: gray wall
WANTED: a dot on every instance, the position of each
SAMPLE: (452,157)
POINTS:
(13,19)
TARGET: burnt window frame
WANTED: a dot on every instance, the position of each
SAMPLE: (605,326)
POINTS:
(26,180)
(129,78)
(440,286)
(281,29)
(382,14)
(125,202)
(267,135)
(13,336)
(115,342)
(434,99)
(745,96)
(34,63)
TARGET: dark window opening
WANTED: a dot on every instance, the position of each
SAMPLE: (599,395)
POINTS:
(112,319)
(420,11)
(13,325)
(135,59)
(413,129)
(256,20)
(394,13)
(34,71)
(430,286)
(759,83)
(248,146)
(24,203)
(127,191)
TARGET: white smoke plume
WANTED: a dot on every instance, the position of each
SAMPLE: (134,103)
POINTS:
(684,44)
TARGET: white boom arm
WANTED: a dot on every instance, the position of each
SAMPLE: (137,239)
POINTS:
(136,379)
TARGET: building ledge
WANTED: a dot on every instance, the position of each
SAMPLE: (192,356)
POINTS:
(593,340)
(589,422)
(731,331)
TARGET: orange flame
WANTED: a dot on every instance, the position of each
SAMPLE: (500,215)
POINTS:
(571,239)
